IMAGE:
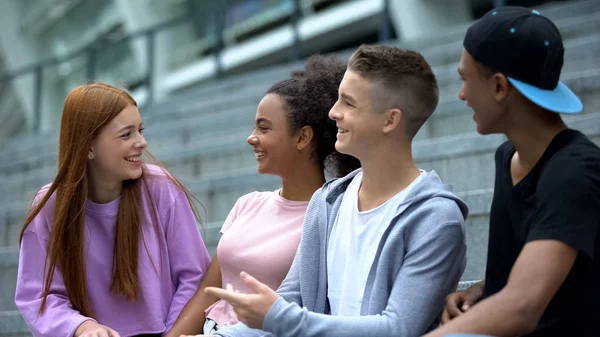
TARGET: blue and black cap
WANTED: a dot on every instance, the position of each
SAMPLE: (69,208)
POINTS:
(528,49)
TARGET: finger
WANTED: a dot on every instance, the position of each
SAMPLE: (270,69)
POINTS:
(445,317)
(113,333)
(453,310)
(227,295)
(252,283)
(103,333)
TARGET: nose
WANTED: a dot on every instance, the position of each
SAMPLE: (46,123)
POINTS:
(334,114)
(461,94)
(142,143)
(252,139)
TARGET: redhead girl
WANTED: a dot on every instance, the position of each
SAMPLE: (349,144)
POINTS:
(111,246)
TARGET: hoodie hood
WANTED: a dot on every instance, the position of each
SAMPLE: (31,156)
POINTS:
(430,186)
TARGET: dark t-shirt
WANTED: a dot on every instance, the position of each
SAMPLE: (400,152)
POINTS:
(559,199)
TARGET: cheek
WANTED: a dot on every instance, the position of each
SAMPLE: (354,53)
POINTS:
(115,152)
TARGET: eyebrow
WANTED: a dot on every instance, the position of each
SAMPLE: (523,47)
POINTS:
(348,98)
(128,127)
(262,120)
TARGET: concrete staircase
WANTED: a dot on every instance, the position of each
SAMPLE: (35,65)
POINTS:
(200,136)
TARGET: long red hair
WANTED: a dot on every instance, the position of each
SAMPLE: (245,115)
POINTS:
(87,109)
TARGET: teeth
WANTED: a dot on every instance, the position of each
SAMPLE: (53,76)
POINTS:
(259,154)
(340,130)
(134,159)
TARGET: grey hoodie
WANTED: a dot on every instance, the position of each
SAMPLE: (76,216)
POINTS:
(420,260)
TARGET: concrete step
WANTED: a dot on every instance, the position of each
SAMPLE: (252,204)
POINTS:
(242,89)
(465,161)
(454,117)
(581,53)
(230,132)
(479,202)
(210,157)
(227,153)
(12,325)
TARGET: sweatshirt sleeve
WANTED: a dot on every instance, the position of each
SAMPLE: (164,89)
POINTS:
(188,256)
(59,318)
(417,296)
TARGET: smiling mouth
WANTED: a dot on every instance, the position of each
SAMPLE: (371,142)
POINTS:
(135,159)
(260,154)
(340,130)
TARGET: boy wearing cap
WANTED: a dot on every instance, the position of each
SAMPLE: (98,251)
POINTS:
(543,265)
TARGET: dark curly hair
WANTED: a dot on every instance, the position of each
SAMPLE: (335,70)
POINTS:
(309,95)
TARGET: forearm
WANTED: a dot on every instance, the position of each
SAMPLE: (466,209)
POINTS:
(191,319)
(289,320)
(539,271)
(503,314)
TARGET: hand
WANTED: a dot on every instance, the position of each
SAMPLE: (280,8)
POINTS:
(93,329)
(250,309)
(459,302)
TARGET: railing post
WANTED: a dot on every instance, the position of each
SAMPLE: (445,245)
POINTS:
(150,56)
(37,99)
(499,3)
(385,24)
(91,65)
(220,26)
(296,13)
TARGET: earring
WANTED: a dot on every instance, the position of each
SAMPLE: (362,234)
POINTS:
(91,156)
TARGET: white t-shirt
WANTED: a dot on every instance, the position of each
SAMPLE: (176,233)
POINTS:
(353,245)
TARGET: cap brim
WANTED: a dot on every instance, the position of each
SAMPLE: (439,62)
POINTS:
(561,100)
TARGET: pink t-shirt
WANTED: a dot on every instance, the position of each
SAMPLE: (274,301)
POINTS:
(260,236)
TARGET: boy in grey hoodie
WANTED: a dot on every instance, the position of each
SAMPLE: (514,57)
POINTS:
(382,247)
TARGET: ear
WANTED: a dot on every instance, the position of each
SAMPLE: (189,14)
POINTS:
(305,136)
(393,118)
(501,87)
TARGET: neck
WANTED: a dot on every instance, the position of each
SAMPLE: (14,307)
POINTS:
(532,135)
(302,182)
(102,191)
(385,174)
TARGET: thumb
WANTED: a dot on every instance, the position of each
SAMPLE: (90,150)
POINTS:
(251,282)
(467,303)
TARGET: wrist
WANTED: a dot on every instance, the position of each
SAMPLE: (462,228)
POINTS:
(83,327)
(477,289)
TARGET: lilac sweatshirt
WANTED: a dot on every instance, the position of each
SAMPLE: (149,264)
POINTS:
(169,275)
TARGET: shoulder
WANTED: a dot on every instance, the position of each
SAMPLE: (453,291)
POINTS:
(160,184)
(575,165)
(577,153)
(252,199)
(435,216)
(43,220)
(437,212)
(42,193)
